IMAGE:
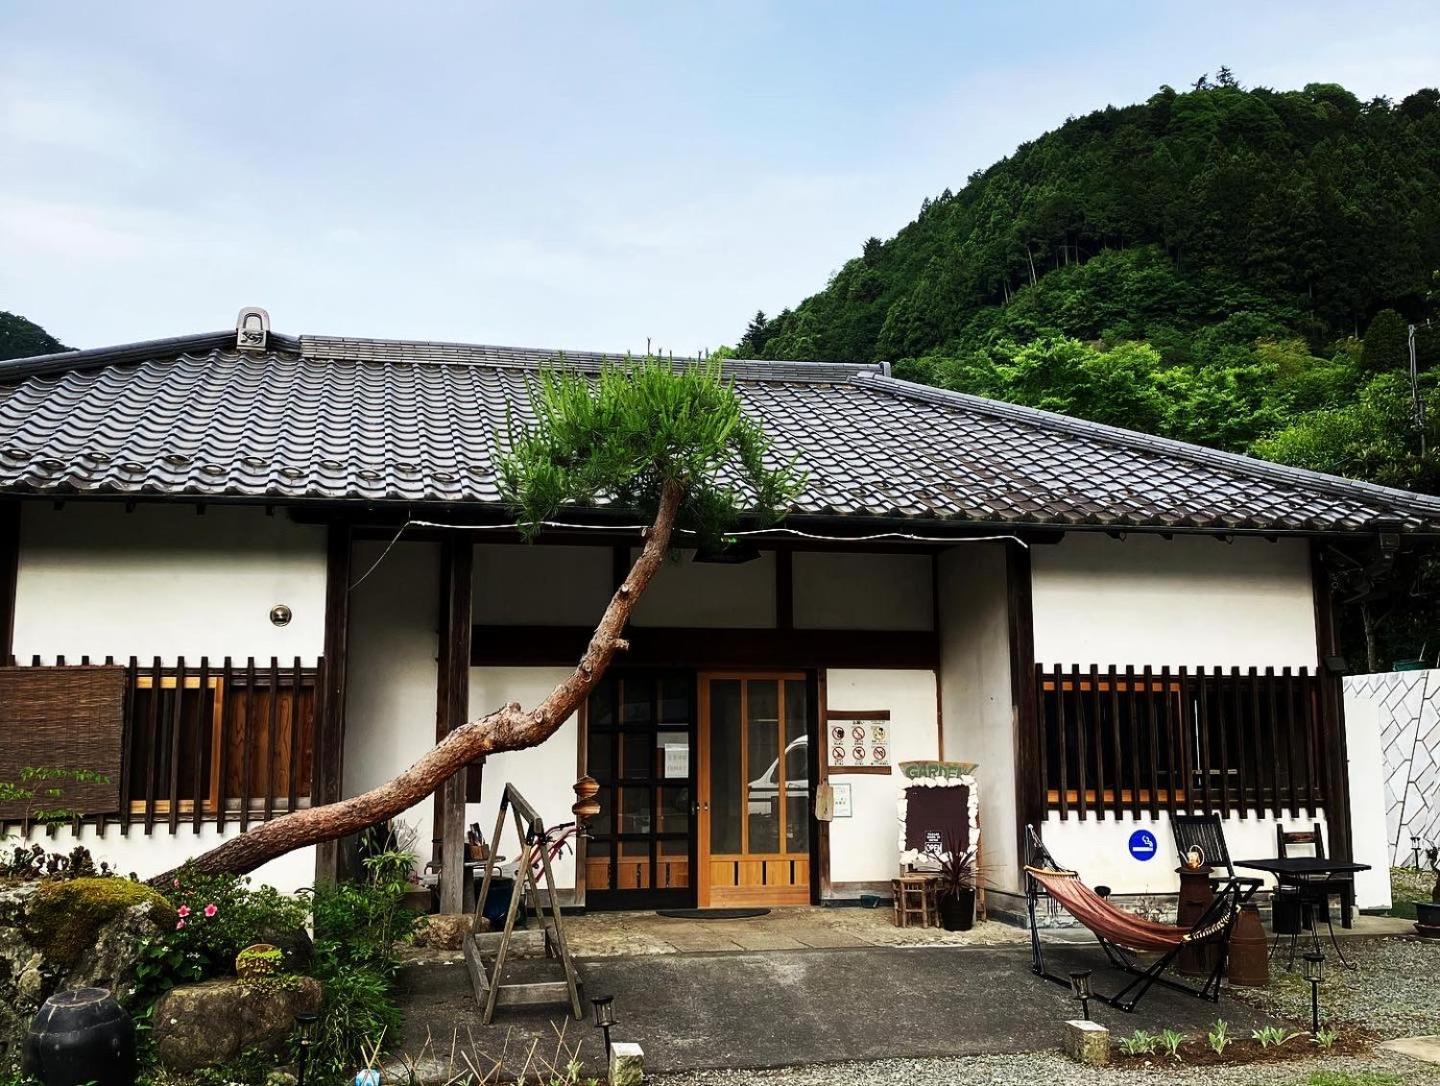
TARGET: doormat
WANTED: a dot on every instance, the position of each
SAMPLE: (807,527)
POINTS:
(712,914)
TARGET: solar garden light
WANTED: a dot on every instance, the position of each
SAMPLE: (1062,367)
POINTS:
(1080,985)
(604,1017)
(305,1025)
(1415,849)
(1314,973)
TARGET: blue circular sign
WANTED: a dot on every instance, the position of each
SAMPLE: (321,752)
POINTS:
(1142,845)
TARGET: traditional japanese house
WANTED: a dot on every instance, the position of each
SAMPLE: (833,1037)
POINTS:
(243,572)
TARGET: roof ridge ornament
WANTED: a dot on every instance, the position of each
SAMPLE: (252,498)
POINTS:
(252,329)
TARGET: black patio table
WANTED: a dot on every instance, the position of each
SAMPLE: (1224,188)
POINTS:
(1297,871)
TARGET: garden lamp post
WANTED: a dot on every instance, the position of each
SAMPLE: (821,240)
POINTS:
(604,1017)
(1314,973)
(305,1026)
(1080,985)
(1415,849)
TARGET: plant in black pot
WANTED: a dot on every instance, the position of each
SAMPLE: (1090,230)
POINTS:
(955,886)
(1427,914)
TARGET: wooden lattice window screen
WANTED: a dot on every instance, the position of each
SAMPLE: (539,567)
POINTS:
(66,717)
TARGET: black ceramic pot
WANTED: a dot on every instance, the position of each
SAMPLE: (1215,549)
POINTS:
(81,1035)
(1427,914)
(957,913)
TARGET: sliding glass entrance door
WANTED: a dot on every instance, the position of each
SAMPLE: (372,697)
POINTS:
(640,750)
(754,781)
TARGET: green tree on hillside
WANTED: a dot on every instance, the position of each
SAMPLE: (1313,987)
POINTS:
(20,338)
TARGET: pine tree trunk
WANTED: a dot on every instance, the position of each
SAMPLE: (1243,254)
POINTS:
(507,728)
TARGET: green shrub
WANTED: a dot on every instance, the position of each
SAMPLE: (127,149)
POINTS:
(66,916)
(217,916)
(359,1014)
(1140,1043)
(214,918)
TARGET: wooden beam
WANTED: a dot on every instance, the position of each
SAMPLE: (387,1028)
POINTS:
(1332,712)
(784,588)
(702,648)
(9,575)
(453,707)
(328,776)
(1029,780)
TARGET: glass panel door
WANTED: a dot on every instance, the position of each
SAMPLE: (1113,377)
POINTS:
(755,806)
(639,732)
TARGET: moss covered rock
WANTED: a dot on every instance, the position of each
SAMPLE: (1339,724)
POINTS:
(65,919)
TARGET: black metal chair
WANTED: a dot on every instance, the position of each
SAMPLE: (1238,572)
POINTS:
(1206,833)
(1313,893)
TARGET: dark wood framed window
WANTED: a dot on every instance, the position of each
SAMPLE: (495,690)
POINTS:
(1146,740)
(640,748)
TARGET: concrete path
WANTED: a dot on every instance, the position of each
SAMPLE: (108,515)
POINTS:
(747,1010)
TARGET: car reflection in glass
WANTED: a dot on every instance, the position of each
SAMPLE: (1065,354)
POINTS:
(764,790)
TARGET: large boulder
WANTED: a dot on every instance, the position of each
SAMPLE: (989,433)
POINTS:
(211,1023)
(74,933)
(443,931)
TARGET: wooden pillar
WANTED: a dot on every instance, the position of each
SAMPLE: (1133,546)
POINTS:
(9,573)
(1029,785)
(452,710)
(328,780)
(1332,712)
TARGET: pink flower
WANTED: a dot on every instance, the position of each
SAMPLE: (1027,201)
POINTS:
(183,911)
(179,925)
(177,884)
(210,910)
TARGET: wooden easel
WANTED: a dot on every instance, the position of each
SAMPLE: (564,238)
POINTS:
(490,990)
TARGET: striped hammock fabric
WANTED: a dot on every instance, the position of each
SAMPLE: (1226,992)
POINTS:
(1118,926)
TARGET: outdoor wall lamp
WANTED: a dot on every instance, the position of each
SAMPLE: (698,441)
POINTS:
(1314,973)
(1080,985)
(604,1018)
(305,1026)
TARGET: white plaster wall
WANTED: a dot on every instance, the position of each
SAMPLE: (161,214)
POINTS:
(1188,600)
(839,590)
(977,704)
(390,698)
(1369,837)
(865,848)
(687,593)
(1100,849)
(545,775)
(540,585)
(164,581)
(146,857)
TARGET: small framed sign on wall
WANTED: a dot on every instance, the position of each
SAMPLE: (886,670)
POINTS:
(858,741)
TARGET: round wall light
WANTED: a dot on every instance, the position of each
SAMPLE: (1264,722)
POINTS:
(280,615)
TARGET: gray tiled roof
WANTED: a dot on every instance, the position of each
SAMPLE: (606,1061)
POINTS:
(385,421)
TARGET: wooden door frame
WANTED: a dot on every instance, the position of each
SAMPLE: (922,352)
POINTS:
(703,897)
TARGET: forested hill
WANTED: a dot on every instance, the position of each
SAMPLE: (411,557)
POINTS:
(1307,211)
(1231,267)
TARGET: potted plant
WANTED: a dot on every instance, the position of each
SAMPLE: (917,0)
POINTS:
(1427,913)
(955,887)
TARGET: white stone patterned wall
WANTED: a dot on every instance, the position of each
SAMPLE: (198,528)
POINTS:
(1408,703)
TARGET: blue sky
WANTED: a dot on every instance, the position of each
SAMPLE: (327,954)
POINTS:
(577,175)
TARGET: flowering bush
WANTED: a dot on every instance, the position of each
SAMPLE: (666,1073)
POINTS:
(216,916)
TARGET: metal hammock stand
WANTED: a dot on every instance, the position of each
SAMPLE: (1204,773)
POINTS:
(490,987)
(1122,934)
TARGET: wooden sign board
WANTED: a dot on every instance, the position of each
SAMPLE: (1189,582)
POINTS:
(939,811)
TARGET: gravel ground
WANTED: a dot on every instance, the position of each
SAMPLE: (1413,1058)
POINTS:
(1394,991)
(1055,1070)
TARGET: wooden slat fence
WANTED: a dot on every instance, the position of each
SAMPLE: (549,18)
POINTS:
(228,741)
(1247,742)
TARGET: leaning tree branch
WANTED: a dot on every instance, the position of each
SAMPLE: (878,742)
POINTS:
(507,728)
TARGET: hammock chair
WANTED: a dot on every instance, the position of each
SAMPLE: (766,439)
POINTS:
(1123,934)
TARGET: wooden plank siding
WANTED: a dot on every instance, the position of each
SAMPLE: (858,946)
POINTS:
(1142,742)
(204,740)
